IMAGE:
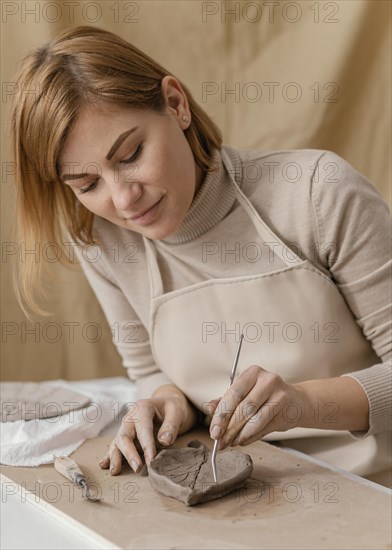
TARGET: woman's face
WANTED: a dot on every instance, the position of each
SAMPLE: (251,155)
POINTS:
(121,162)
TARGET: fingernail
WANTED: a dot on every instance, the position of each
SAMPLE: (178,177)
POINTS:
(134,465)
(167,438)
(100,462)
(216,432)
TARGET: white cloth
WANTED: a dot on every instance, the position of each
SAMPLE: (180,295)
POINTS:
(35,442)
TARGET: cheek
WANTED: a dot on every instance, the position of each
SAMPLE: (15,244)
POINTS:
(94,205)
(129,175)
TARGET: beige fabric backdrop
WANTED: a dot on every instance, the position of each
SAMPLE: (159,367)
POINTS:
(330,65)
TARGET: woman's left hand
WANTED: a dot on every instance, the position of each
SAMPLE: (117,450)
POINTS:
(257,403)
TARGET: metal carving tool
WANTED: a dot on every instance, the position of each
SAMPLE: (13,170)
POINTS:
(232,375)
(68,468)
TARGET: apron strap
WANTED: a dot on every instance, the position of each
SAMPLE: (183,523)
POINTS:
(154,275)
(285,253)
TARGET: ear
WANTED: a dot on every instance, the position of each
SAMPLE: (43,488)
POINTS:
(175,97)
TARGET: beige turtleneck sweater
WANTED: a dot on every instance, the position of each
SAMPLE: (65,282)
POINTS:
(314,200)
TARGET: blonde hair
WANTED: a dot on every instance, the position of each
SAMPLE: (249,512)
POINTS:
(54,82)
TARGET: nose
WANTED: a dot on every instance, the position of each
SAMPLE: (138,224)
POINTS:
(125,194)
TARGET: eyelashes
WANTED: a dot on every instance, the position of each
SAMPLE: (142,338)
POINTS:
(125,162)
(134,156)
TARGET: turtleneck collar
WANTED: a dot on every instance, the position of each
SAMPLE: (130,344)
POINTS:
(213,200)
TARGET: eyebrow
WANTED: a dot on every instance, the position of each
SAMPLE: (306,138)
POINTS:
(113,149)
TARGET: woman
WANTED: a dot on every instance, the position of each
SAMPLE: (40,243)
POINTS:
(187,243)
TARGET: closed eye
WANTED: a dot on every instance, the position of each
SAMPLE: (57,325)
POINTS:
(129,160)
(134,156)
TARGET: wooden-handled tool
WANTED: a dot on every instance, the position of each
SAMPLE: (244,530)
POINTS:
(68,468)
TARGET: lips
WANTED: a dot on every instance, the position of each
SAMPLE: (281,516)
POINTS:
(142,212)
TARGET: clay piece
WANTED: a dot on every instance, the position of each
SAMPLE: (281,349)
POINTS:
(186,474)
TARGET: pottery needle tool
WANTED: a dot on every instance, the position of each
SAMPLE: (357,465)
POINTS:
(232,375)
(68,468)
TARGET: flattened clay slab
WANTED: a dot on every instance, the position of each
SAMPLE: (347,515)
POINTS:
(186,474)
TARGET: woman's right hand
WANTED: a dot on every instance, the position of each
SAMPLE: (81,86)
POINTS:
(168,411)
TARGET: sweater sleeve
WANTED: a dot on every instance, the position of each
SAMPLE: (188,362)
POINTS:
(354,232)
(128,333)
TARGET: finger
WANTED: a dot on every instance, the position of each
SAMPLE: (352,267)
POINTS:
(128,425)
(266,385)
(104,462)
(231,399)
(246,412)
(115,460)
(126,443)
(243,441)
(266,420)
(145,431)
(171,423)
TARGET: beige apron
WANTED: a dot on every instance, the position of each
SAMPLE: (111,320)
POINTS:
(296,323)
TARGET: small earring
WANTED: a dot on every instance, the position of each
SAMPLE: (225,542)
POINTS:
(185,118)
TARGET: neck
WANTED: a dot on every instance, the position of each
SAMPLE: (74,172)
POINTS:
(200,175)
(213,199)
